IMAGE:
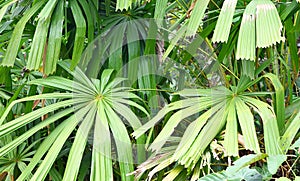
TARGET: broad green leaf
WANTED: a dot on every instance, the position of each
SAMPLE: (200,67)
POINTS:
(134,52)
(5,7)
(207,134)
(173,106)
(290,133)
(173,122)
(222,29)
(17,141)
(127,114)
(49,159)
(274,162)
(218,91)
(279,90)
(248,68)
(148,66)
(292,109)
(271,132)
(122,142)
(231,134)
(245,174)
(116,38)
(246,121)
(160,9)
(44,147)
(14,43)
(196,17)
(192,132)
(292,41)
(23,120)
(123,4)
(64,84)
(105,77)
(84,100)
(131,103)
(40,36)
(246,41)
(90,23)
(173,173)
(21,166)
(280,111)
(289,10)
(257,30)
(86,62)
(267,33)
(78,146)
(114,84)
(55,39)
(243,162)
(80,33)
(80,77)
(42,96)
(101,167)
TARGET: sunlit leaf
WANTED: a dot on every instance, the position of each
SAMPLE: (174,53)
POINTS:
(222,29)
(14,43)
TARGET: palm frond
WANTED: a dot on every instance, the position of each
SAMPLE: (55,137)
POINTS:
(40,36)
(126,4)
(246,41)
(267,33)
(94,105)
(222,29)
(5,7)
(80,33)
(219,106)
(290,133)
(196,17)
(14,43)
(257,30)
(54,40)
(160,9)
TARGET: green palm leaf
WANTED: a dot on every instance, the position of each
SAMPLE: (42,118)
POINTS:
(218,106)
(97,107)
(222,29)
(196,16)
(256,29)
(80,33)
(40,36)
(5,7)
(54,40)
(14,43)
(125,4)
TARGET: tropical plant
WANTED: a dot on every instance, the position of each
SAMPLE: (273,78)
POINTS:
(95,105)
(221,106)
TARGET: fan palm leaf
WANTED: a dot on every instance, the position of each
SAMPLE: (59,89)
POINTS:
(48,35)
(95,107)
(256,29)
(219,107)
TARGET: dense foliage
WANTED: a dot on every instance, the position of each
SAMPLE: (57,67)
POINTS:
(149,90)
